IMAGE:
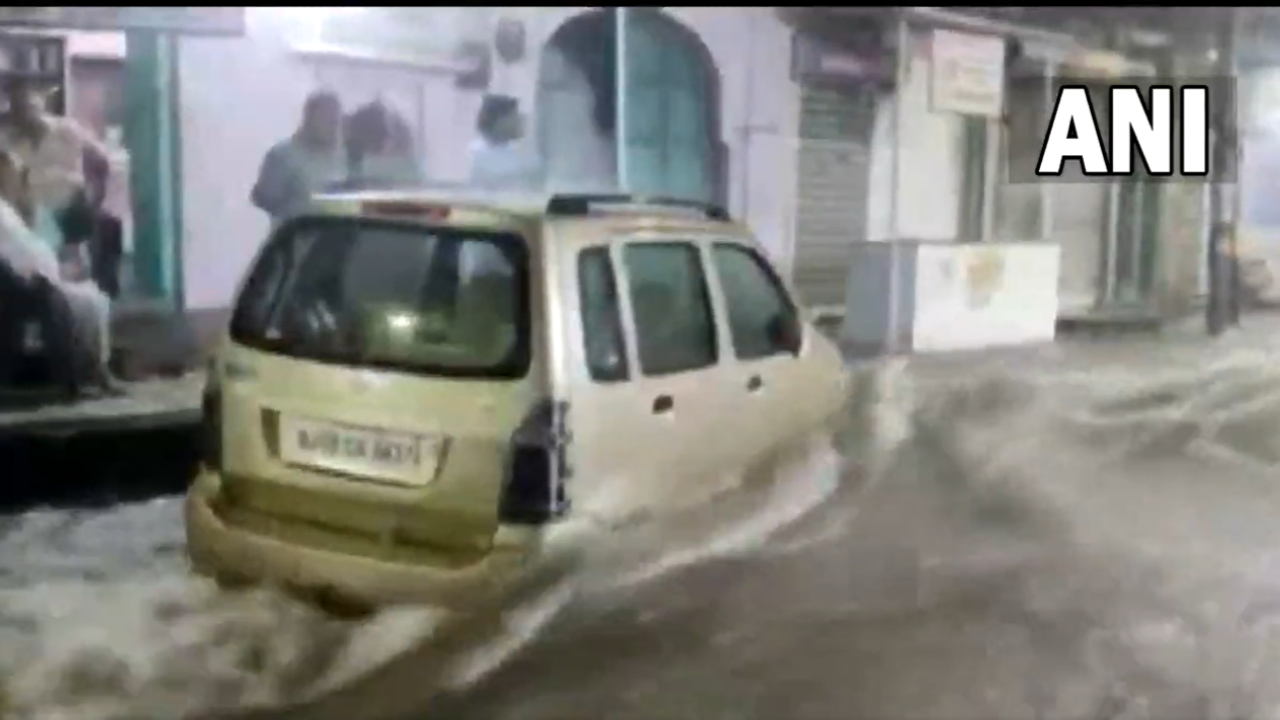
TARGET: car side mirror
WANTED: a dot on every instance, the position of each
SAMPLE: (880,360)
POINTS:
(786,332)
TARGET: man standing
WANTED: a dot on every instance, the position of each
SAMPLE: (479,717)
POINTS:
(308,162)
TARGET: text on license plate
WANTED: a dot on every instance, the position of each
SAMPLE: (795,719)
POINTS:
(359,450)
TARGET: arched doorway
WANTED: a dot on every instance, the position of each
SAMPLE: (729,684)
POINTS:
(575,103)
(672,103)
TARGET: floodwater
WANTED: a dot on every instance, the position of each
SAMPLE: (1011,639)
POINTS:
(1077,533)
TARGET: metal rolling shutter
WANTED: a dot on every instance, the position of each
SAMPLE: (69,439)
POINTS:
(836,126)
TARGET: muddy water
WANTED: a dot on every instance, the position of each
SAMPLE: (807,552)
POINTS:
(1084,532)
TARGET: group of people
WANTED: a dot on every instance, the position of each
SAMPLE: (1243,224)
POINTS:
(373,147)
(53,177)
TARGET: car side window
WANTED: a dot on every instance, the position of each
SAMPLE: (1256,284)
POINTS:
(763,321)
(603,339)
(675,325)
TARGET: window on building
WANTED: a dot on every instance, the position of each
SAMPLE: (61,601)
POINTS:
(675,326)
(603,339)
(762,319)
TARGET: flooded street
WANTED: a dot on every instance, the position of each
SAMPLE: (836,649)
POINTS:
(1078,532)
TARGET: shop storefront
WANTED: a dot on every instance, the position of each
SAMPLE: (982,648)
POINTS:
(1107,230)
(843,77)
(932,259)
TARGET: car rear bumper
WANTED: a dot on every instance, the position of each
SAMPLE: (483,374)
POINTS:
(227,552)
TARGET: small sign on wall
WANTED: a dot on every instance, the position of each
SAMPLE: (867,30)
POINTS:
(967,73)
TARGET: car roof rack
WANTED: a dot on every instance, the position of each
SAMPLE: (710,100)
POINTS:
(573,204)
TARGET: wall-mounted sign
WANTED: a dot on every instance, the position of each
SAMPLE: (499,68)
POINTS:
(967,73)
(184,20)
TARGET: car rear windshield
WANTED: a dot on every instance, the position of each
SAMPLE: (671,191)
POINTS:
(397,296)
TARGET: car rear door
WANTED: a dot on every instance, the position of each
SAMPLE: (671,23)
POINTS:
(616,439)
(764,333)
(376,375)
(671,322)
(650,421)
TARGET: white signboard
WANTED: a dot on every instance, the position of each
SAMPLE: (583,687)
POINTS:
(967,73)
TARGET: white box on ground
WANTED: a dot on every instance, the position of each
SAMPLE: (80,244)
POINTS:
(978,295)
(951,296)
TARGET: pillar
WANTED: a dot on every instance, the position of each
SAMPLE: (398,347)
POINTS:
(152,137)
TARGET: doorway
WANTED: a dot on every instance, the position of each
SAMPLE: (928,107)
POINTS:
(671,99)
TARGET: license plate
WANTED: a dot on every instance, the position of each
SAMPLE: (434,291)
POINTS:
(363,452)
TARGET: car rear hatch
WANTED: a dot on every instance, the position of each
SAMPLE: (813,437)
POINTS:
(377,372)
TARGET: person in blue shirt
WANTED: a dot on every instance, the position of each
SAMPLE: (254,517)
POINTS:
(309,161)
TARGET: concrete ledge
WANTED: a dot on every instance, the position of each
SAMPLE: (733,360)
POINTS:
(144,406)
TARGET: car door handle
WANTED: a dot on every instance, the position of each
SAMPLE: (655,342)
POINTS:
(663,404)
(754,383)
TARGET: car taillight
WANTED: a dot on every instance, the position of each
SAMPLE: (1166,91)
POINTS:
(211,427)
(534,489)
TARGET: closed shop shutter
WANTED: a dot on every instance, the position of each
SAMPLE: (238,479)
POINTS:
(836,127)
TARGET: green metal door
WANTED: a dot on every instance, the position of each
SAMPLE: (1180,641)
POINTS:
(667,141)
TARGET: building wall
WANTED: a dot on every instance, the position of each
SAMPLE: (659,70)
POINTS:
(929,153)
(241,95)
(929,160)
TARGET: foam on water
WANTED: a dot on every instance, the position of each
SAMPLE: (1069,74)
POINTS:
(800,486)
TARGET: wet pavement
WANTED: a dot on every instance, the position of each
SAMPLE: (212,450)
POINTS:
(1084,531)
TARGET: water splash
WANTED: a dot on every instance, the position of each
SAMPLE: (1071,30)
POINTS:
(1043,537)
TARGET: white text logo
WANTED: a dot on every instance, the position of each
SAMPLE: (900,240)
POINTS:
(1140,126)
